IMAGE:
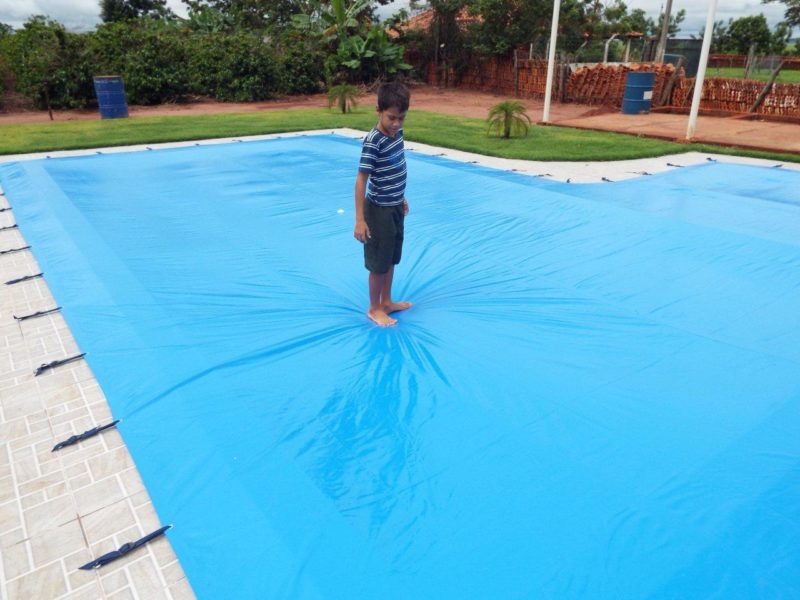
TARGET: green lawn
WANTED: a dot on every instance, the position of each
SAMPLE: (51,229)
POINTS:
(785,76)
(543,143)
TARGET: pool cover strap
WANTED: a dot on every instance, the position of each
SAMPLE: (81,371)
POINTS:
(39,313)
(12,250)
(57,363)
(26,278)
(83,436)
(123,550)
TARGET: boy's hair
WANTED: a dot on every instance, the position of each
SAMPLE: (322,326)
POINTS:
(393,95)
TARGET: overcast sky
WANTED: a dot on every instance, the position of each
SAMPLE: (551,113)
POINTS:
(82,15)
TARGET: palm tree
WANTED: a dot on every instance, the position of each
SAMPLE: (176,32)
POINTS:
(343,95)
(509,117)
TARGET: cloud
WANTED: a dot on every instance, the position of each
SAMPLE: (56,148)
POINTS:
(75,15)
(83,15)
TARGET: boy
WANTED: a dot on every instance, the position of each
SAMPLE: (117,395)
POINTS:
(381,208)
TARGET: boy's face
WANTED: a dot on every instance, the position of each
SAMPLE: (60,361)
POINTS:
(390,121)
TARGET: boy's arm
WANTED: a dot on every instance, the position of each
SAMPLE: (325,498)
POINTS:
(361,232)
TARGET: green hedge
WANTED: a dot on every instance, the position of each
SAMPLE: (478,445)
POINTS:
(159,62)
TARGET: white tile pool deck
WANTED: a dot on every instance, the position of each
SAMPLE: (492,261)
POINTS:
(59,510)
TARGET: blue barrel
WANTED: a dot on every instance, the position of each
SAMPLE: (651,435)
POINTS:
(111,96)
(638,93)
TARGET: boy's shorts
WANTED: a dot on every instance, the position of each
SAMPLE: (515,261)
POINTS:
(385,245)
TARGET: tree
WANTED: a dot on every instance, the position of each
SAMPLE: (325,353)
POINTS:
(5,30)
(780,38)
(508,118)
(748,31)
(255,14)
(122,10)
(792,14)
(36,54)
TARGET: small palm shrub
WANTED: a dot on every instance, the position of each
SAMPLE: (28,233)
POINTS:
(509,118)
(344,96)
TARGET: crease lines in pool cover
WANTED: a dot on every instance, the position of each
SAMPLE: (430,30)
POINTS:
(242,360)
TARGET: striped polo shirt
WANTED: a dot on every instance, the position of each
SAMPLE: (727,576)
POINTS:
(383,159)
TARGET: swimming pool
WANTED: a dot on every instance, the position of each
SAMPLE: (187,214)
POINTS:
(596,393)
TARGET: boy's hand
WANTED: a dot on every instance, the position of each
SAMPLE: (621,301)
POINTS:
(405,207)
(361,232)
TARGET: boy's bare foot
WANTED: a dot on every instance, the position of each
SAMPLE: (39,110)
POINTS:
(380,318)
(396,307)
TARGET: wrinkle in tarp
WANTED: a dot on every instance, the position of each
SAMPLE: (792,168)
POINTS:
(595,395)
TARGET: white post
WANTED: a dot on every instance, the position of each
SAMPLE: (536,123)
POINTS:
(551,59)
(701,69)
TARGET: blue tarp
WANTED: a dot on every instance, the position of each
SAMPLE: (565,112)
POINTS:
(595,395)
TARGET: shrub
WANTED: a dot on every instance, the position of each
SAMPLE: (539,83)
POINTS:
(48,64)
(344,96)
(302,64)
(238,67)
(151,57)
(509,118)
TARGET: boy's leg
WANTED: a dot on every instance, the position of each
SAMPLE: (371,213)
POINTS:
(390,306)
(376,311)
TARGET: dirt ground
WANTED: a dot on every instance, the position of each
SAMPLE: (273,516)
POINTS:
(465,103)
(754,134)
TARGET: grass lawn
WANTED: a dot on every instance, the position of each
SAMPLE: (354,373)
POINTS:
(785,76)
(461,133)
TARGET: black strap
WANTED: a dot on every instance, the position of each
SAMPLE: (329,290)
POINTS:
(124,549)
(26,278)
(83,436)
(15,250)
(40,313)
(57,363)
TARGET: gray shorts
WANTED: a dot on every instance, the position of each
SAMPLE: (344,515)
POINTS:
(384,247)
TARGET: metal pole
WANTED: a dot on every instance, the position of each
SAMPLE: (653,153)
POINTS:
(662,40)
(701,69)
(551,59)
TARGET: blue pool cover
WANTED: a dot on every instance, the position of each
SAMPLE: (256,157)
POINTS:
(595,395)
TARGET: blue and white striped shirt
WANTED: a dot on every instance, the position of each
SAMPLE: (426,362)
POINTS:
(383,159)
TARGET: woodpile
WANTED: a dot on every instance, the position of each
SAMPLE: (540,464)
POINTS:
(738,95)
(605,84)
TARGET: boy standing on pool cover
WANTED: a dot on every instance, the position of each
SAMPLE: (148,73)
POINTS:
(381,208)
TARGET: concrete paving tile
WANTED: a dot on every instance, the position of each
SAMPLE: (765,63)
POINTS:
(52,397)
(146,580)
(98,495)
(10,517)
(123,594)
(106,522)
(15,536)
(172,572)
(46,582)
(40,483)
(110,463)
(181,590)
(32,500)
(57,543)
(7,491)
(114,581)
(91,591)
(49,515)
(16,560)
(77,577)
(131,482)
